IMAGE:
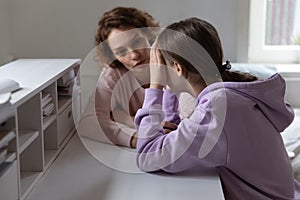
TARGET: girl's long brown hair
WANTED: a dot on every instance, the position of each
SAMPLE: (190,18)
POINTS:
(205,34)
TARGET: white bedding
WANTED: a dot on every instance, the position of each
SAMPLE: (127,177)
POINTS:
(291,138)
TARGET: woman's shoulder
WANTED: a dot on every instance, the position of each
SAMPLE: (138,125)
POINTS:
(111,75)
(110,72)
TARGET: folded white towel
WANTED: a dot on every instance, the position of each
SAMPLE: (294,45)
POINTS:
(4,98)
(48,109)
(8,85)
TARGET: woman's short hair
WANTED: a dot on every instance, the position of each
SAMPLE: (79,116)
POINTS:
(120,18)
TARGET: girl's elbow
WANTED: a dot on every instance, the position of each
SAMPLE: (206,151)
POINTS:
(145,164)
(142,164)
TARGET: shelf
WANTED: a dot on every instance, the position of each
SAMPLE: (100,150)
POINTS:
(9,181)
(63,102)
(27,181)
(4,167)
(10,157)
(48,120)
(32,141)
(26,138)
(6,136)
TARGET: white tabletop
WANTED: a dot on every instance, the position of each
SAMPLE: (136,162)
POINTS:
(77,175)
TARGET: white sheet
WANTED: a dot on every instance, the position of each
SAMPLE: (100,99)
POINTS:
(291,138)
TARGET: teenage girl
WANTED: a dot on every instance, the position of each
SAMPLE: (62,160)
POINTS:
(235,126)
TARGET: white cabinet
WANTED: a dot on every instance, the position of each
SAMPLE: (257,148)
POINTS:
(65,122)
(8,167)
(41,119)
(9,182)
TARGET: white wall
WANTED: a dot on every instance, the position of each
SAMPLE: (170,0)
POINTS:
(66,28)
(243,16)
(4,32)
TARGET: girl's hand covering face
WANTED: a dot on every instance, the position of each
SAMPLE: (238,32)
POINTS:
(158,70)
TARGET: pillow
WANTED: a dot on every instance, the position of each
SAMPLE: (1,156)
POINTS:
(291,135)
(291,139)
(259,70)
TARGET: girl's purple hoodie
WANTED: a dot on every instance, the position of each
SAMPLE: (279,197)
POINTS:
(235,128)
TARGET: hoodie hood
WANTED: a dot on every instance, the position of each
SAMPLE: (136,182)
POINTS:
(268,94)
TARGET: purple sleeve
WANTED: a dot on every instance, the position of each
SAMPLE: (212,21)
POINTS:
(178,150)
(170,107)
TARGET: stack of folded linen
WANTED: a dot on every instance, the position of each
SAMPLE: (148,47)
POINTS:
(66,83)
(47,104)
(5,137)
(7,86)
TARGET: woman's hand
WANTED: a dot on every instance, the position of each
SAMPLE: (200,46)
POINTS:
(158,70)
(133,140)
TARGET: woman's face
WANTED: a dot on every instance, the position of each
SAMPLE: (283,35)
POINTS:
(130,47)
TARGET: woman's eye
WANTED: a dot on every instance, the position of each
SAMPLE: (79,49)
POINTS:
(137,42)
(120,52)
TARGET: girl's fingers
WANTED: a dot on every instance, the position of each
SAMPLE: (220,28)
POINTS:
(160,57)
(169,125)
(167,131)
(157,68)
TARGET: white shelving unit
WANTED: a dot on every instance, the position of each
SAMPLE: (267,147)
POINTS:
(38,138)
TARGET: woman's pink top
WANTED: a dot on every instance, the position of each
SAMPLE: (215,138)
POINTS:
(117,99)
